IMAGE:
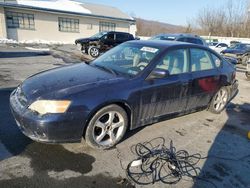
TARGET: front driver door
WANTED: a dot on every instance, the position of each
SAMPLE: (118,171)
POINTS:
(167,95)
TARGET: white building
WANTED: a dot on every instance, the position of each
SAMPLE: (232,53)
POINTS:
(59,20)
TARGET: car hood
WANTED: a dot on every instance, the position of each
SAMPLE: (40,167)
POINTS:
(60,82)
(85,40)
(234,51)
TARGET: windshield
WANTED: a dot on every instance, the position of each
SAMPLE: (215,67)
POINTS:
(98,35)
(241,47)
(126,59)
(163,37)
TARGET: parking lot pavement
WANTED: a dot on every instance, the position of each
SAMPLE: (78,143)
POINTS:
(25,163)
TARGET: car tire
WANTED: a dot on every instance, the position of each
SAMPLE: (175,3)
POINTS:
(93,51)
(219,101)
(107,127)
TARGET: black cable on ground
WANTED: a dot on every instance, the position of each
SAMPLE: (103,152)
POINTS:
(156,162)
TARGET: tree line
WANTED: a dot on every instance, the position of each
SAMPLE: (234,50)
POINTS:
(229,20)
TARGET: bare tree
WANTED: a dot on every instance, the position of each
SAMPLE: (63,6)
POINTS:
(229,20)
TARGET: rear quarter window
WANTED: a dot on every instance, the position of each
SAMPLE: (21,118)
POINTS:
(200,60)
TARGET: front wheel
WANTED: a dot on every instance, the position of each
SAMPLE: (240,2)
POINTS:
(107,127)
(219,101)
(94,51)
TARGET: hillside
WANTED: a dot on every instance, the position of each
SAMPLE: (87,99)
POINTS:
(149,28)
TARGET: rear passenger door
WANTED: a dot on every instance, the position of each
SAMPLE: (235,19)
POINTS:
(205,77)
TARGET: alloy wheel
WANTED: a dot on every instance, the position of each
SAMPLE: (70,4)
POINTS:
(94,52)
(108,128)
(221,99)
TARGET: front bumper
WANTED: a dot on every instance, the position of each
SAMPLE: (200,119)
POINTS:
(50,128)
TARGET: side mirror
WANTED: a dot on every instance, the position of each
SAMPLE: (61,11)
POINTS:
(157,74)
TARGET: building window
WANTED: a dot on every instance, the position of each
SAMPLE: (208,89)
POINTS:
(20,20)
(68,24)
(89,26)
(106,26)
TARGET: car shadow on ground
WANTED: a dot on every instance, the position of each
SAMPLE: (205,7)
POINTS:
(11,54)
(229,161)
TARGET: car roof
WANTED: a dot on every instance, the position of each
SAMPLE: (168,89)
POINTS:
(164,44)
(179,35)
(117,32)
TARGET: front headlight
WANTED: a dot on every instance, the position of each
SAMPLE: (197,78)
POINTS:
(50,106)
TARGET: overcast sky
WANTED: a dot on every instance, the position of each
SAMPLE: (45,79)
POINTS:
(170,11)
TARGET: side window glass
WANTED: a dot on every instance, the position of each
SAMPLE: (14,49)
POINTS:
(121,36)
(182,39)
(194,41)
(110,36)
(190,40)
(216,60)
(175,61)
(200,60)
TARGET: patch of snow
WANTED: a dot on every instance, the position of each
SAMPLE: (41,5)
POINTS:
(39,41)
(4,41)
(64,5)
(66,174)
(36,41)
(38,49)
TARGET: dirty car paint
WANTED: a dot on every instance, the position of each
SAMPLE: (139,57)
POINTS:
(90,89)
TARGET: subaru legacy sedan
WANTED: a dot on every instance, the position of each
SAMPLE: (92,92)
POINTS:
(132,85)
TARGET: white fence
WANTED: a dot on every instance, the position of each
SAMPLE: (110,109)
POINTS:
(211,38)
(226,39)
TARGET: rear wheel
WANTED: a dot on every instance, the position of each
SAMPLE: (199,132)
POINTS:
(107,127)
(219,101)
(94,51)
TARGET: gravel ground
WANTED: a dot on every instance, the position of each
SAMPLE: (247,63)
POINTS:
(25,163)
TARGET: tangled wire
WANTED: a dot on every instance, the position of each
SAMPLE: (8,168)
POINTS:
(156,162)
(159,163)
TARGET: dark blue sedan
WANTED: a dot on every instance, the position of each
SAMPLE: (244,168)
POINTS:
(134,84)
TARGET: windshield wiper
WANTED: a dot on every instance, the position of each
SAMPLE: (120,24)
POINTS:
(107,69)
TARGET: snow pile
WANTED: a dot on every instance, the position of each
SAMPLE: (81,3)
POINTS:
(63,5)
(39,41)
(38,49)
(11,41)
(7,41)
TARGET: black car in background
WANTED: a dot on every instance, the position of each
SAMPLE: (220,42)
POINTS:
(102,42)
(190,38)
(132,85)
(240,52)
